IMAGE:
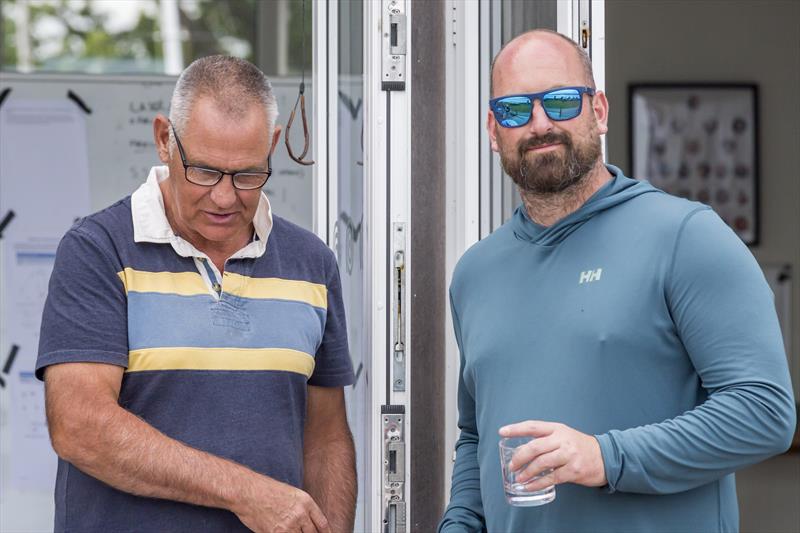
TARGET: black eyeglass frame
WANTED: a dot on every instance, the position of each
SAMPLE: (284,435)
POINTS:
(187,166)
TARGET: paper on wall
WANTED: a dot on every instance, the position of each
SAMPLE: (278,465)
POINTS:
(44,179)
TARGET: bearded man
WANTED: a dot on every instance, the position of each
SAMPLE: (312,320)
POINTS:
(629,332)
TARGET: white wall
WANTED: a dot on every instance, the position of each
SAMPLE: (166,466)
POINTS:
(735,41)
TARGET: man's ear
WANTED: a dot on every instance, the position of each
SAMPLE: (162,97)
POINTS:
(600,108)
(161,136)
(276,136)
(491,129)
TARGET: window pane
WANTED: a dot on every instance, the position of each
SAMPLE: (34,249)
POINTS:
(280,46)
(123,36)
(163,37)
(349,231)
(519,16)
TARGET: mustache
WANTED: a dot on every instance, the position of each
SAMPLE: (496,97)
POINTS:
(550,138)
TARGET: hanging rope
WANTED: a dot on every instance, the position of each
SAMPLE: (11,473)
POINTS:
(301,99)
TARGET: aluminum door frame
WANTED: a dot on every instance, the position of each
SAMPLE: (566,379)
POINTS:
(320,127)
(386,202)
(387,194)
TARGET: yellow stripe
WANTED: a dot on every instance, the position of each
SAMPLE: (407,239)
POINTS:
(282,289)
(221,359)
(182,283)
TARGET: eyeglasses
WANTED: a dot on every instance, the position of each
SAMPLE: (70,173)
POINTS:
(208,177)
(515,110)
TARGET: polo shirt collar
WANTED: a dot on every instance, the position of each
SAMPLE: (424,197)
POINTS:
(150,222)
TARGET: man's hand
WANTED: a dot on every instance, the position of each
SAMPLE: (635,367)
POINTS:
(92,431)
(573,456)
(271,506)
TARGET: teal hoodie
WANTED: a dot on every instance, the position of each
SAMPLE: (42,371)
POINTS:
(641,319)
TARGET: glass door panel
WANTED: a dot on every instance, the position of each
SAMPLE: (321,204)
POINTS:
(284,53)
(504,21)
(348,232)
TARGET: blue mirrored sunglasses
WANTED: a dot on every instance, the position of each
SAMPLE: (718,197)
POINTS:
(515,110)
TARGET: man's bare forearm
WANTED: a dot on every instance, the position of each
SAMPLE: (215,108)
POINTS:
(89,429)
(111,444)
(330,478)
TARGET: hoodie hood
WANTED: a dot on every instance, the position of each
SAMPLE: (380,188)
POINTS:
(619,189)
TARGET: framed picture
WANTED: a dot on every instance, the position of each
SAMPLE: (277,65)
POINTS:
(700,142)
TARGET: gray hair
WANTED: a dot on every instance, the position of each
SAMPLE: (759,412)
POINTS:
(586,62)
(233,84)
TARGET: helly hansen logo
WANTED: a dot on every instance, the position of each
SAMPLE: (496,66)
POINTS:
(588,276)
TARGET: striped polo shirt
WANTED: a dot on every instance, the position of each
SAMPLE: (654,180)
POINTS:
(218,361)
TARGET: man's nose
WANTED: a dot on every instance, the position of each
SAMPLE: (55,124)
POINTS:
(540,123)
(223,194)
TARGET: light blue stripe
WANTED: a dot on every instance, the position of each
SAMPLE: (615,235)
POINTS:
(35,255)
(157,320)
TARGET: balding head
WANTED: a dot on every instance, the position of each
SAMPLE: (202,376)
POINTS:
(560,48)
(233,85)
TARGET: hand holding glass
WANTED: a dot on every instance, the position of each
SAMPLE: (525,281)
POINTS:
(516,493)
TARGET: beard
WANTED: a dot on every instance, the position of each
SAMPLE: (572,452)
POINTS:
(551,172)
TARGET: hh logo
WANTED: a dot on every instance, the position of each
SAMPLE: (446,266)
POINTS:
(588,276)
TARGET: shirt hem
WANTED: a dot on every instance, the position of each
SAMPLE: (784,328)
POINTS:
(79,356)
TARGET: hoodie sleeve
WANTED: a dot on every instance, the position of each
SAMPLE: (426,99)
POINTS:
(465,511)
(725,316)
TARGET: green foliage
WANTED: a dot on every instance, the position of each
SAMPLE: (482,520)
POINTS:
(7,42)
(84,41)
(217,21)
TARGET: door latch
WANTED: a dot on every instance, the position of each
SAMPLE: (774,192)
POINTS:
(400,309)
(585,34)
(394,468)
(393,77)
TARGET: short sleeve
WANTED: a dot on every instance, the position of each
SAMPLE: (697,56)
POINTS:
(333,366)
(85,313)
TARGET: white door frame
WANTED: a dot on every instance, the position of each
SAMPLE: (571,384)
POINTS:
(387,193)
(324,135)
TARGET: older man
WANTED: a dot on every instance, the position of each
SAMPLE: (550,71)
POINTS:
(630,332)
(193,345)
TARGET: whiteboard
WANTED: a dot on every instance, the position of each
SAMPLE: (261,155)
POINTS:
(120,133)
(119,111)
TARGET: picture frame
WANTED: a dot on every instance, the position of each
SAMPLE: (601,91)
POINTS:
(699,141)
